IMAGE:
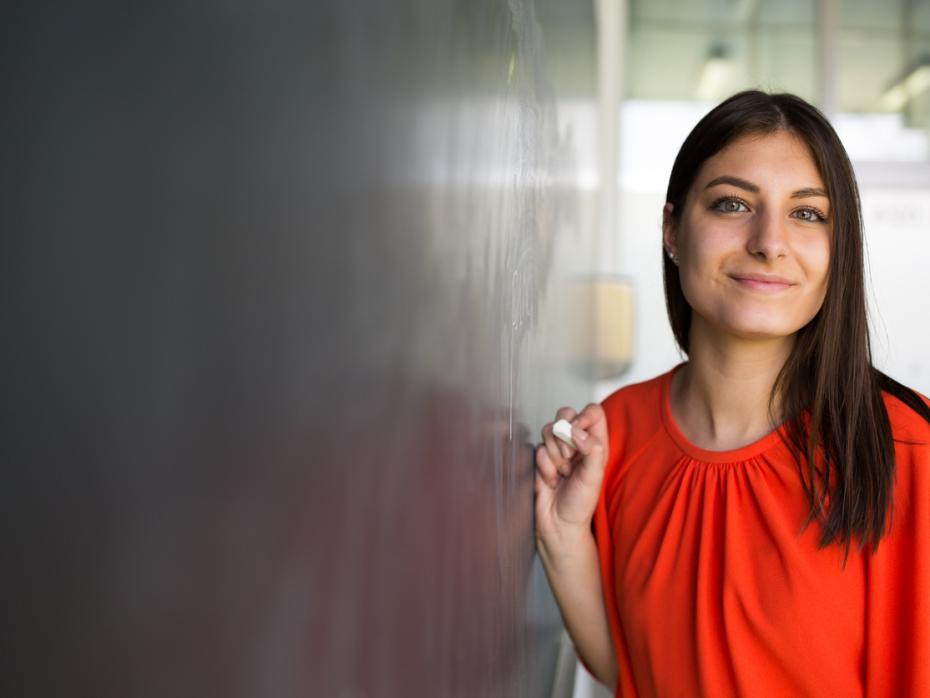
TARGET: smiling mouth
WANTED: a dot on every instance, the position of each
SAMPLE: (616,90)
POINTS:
(766,286)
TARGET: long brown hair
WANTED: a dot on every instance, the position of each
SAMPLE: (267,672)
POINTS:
(836,424)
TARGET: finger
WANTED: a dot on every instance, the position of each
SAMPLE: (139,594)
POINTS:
(561,463)
(592,451)
(541,484)
(593,419)
(546,468)
(587,416)
(580,437)
(568,414)
(551,442)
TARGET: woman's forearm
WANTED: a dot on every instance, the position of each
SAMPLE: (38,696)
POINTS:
(571,564)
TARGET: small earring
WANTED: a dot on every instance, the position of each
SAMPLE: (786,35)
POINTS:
(674,258)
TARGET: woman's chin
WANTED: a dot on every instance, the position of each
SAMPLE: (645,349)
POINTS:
(756,329)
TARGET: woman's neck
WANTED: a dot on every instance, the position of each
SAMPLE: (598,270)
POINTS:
(720,398)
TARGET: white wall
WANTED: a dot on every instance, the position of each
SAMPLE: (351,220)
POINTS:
(897,224)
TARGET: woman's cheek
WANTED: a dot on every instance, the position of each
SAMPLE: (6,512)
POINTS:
(696,289)
(814,254)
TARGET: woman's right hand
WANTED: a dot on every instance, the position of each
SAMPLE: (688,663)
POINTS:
(568,481)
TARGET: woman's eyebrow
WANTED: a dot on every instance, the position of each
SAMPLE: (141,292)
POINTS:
(735,181)
(805,193)
(808,192)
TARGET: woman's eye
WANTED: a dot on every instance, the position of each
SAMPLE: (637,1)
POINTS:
(730,206)
(809,214)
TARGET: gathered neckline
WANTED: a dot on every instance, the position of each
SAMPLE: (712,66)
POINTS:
(732,455)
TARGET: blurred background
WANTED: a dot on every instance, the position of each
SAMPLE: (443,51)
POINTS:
(289,289)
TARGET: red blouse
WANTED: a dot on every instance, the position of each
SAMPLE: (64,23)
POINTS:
(711,589)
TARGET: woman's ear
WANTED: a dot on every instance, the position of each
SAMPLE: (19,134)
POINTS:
(669,241)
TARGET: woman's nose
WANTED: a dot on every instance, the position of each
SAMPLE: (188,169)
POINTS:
(768,236)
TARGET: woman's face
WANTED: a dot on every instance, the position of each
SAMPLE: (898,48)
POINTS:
(753,241)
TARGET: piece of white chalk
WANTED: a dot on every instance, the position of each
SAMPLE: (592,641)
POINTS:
(563,430)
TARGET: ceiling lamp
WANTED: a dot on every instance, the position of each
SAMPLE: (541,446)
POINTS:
(912,82)
(716,74)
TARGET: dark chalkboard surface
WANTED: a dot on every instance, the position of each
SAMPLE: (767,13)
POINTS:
(279,336)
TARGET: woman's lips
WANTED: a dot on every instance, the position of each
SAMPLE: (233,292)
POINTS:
(765,285)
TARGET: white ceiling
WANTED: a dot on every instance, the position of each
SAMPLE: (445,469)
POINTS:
(774,45)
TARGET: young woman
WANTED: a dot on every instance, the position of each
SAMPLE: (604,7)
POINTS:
(677,538)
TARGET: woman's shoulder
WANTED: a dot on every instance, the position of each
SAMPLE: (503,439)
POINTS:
(634,415)
(639,400)
(908,424)
(635,392)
